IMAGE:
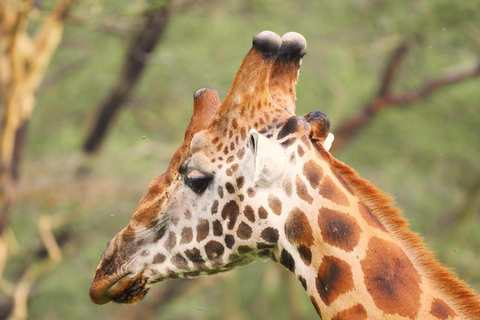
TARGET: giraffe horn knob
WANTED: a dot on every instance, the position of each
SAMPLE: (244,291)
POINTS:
(285,71)
(293,46)
(205,105)
(268,43)
(197,94)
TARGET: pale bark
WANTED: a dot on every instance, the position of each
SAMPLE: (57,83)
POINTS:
(23,62)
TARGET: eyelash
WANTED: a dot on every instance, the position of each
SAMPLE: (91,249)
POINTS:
(198,184)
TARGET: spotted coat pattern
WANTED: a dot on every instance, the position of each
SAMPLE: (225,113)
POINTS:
(252,181)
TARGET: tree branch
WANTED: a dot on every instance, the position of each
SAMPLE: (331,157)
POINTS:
(431,87)
(393,66)
(385,98)
(348,129)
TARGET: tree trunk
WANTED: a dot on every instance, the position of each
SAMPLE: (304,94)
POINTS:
(138,56)
(23,62)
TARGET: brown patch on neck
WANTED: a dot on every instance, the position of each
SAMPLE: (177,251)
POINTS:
(298,229)
(338,229)
(302,191)
(368,216)
(249,213)
(313,172)
(462,298)
(357,312)
(270,234)
(262,213)
(391,279)
(330,191)
(334,278)
(441,310)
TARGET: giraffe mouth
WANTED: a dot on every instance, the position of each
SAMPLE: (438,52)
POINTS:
(126,289)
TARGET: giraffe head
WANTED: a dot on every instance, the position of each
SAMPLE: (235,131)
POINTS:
(219,204)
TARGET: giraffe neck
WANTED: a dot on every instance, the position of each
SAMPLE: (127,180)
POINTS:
(353,254)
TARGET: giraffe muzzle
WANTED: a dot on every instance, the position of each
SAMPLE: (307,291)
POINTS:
(127,289)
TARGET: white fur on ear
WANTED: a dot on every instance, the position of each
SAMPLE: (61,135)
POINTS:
(327,144)
(269,158)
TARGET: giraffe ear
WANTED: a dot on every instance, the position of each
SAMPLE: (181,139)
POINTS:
(320,128)
(270,159)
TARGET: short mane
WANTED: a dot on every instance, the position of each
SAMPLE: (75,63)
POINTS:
(382,206)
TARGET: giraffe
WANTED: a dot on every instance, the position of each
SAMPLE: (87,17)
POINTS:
(253,181)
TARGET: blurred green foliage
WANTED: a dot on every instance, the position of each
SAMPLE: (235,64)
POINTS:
(426,155)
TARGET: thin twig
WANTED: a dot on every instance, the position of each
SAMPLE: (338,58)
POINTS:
(119,26)
(5,286)
(48,238)
(24,286)
(63,71)
(433,86)
(347,130)
(385,98)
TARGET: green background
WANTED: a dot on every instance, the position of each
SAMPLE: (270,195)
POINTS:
(426,155)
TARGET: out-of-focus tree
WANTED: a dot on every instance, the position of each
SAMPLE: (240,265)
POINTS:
(386,97)
(25,53)
(24,57)
(146,37)
(144,42)
(352,36)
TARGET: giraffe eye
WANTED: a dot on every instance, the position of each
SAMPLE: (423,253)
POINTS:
(197,181)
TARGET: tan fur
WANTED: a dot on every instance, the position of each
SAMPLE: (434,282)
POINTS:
(442,278)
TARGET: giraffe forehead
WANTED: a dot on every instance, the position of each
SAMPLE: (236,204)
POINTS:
(231,132)
(199,141)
